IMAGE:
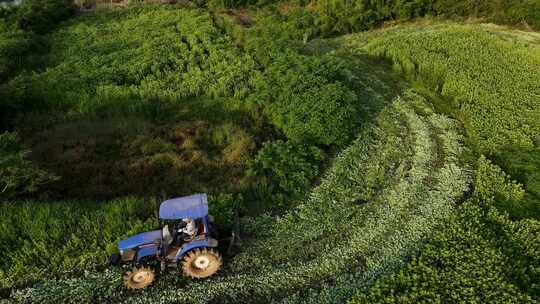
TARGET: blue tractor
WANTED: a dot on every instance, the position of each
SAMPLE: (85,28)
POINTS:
(186,242)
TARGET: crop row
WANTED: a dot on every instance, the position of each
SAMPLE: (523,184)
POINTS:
(488,78)
(480,255)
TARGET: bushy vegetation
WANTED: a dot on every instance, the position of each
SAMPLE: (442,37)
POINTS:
(340,16)
(161,101)
(351,16)
(120,57)
(47,240)
(287,169)
(306,104)
(478,256)
(13,45)
(17,174)
(489,105)
(41,16)
(308,97)
(488,79)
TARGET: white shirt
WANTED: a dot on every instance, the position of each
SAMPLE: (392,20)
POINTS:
(190,227)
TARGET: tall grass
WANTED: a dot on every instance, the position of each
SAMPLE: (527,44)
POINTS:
(41,240)
(489,78)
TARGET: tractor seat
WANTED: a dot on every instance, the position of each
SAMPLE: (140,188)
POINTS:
(200,228)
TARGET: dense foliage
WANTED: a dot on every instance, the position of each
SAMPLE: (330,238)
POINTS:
(41,16)
(13,46)
(341,16)
(489,81)
(305,104)
(140,68)
(351,16)
(308,97)
(17,174)
(45,240)
(478,256)
(288,169)
(166,101)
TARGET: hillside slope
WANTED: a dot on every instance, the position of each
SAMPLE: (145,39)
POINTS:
(425,168)
(488,78)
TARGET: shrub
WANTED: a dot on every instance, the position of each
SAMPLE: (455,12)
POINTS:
(309,98)
(305,98)
(492,183)
(291,167)
(14,44)
(223,208)
(15,52)
(18,175)
(42,16)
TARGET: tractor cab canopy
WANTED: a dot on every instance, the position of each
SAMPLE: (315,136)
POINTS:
(193,206)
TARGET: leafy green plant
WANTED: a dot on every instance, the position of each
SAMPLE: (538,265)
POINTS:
(497,108)
(131,72)
(17,174)
(223,208)
(13,45)
(478,256)
(46,240)
(41,16)
(290,167)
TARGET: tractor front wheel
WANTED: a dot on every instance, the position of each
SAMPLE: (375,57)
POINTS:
(201,263)
(139,278)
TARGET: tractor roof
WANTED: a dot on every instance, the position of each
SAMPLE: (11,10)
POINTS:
(193,206)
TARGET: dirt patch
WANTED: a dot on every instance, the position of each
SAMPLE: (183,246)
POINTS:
(240,16)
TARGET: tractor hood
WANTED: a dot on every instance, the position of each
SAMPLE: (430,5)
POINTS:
(193,206)
(140,239)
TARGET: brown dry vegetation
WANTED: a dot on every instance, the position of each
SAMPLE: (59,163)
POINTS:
(103,159)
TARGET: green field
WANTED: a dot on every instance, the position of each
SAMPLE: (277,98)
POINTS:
(394,165)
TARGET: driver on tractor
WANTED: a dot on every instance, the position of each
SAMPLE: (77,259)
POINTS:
(188,229)
(189,245)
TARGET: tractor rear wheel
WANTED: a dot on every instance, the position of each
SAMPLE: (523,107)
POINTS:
(201,263)
(139,278)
